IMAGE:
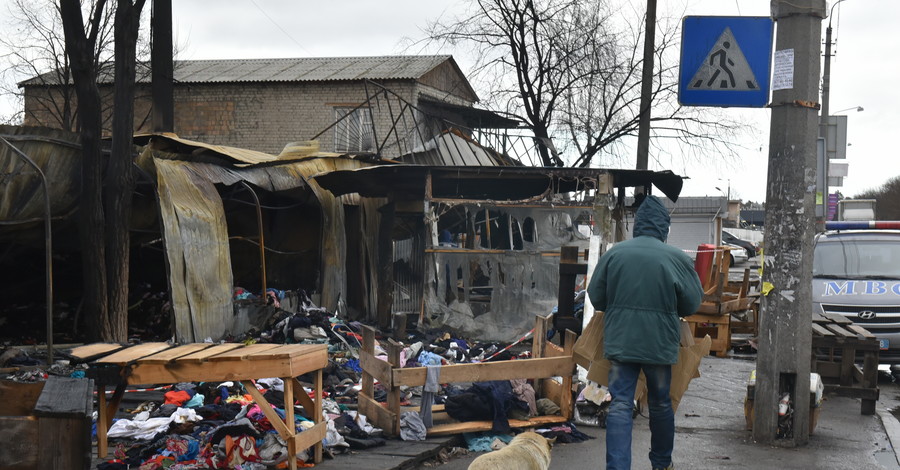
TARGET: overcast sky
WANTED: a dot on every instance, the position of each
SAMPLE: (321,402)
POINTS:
(864,70)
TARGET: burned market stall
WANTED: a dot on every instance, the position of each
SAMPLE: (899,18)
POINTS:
(238,223)
(476,249)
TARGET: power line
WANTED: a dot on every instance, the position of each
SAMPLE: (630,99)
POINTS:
(279,27)
(738,5)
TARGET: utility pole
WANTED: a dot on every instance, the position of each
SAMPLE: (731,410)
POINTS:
(162,68)
(823,120)
(643,146)
(783,361)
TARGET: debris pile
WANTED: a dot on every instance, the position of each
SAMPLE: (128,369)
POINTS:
(218,425)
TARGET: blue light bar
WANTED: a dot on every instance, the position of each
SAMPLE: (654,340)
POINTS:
(862,224)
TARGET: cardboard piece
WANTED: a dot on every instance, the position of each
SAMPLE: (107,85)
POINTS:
(589,354)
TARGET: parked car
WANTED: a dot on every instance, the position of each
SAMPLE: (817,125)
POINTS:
(750,247)
(738,254)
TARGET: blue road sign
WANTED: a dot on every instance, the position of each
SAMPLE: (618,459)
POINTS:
(725,61)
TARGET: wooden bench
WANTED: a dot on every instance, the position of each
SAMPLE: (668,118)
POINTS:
(835,344)
(548,360)
(162,363)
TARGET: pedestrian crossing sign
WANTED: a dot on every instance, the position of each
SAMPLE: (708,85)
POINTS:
(725,61)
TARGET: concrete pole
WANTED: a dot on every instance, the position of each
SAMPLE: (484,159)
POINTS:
(643,145)
(783,361)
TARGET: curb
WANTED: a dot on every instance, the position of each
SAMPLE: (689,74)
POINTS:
(892,428)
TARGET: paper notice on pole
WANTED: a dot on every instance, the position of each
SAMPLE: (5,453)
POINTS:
(783,77)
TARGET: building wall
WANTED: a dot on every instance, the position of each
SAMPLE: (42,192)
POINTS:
(265,116)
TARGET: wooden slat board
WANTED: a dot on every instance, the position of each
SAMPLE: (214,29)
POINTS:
(204,354)
(837,318)
(475,426)
(171,354)
(133,353)
(820,330)
(285,351)
(861,331)
(840,331)
(241,353)
(89,351)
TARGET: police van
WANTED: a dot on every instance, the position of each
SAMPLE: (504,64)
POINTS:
(856,273)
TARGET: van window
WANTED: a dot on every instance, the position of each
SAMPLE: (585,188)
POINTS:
(857,258)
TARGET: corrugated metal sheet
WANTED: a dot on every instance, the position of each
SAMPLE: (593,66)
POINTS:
(172,143)
(58,155)
(197,251)
(304,69)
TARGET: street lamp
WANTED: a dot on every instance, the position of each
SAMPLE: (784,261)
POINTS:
(858,109)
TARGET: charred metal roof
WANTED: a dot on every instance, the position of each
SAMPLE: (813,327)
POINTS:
(302,69)
(487,183)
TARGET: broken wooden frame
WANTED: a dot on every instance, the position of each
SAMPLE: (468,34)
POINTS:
(548,360)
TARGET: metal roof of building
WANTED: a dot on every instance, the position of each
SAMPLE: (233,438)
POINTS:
(304,69)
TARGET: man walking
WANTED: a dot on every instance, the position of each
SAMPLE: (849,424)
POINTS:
(643,286)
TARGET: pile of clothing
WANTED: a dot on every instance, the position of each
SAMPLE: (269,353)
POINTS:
(220,426)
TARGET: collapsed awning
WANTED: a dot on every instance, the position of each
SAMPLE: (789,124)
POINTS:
(491,183)
(474,118)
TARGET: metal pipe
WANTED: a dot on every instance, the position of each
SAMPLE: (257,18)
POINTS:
(262,244)
(48,249)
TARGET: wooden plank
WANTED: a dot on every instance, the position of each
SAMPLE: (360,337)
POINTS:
(821,330)
(220,371)
(317,411)
(311,437)
(837,318)
(91,351)
(840,331)
(552,390)
(377,368)
(289,421)
(282,351)
(18,398)
(393,395)
(270,413)
(861,331)
(307,403)
(552,350)
(203,354)
(367,381)
(133,353)
(64,442)
(239,354)
(171,354)
(478,426)
(504,370)
(377,414)
(65,397)
(841,343)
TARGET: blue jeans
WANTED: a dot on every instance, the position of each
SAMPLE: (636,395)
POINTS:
(623,378)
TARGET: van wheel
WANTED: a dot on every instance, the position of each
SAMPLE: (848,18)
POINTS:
(731,259)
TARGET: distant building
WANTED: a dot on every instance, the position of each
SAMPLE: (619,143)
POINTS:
(388,105)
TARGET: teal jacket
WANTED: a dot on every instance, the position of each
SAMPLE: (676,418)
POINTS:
(644,286)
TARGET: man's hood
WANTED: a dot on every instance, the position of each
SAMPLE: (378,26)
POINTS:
(652,219)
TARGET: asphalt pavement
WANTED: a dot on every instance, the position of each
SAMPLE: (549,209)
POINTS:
(711,431)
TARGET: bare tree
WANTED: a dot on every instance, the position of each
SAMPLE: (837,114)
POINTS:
(887,199)
(104,215)
(119,184)
(576,68)
(36,57)
(80,42)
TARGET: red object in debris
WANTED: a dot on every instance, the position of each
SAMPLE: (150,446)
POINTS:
(703,261)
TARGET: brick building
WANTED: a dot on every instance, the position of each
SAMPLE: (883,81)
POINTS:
(389,105)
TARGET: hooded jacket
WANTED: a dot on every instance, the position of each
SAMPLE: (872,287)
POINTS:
(644,286)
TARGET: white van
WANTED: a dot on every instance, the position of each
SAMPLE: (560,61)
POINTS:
(856,273)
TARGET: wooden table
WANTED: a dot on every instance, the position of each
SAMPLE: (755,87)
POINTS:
(162,363)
